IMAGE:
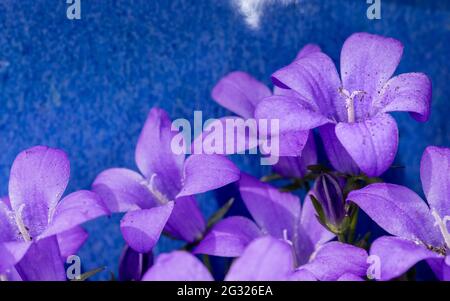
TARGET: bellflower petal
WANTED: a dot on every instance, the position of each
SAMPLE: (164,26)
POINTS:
(155,156)
(371,143)
(336,153)
(274,211)
(141,228)
(265,259)
(399,211)
(440,267)
(177,266)
(186,221)
(229,237)
(350,277)
(298,166)
(74,210)
(398,255)
(315,78)
(409,92)
(367,63)
(71,241)
(132,264)
(122,190)
(37,181)
(307,50)
(302,275)
(42,262)
(336,259)
(435,176)
(240,93)
(292,114)
(207,172)
(11,253)
(9,231)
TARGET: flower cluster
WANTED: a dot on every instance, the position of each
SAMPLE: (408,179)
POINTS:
(282,237)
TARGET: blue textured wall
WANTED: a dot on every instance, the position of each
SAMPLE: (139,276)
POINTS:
(86,86)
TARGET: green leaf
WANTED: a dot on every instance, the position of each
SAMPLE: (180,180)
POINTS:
(87,275)
(319,210)
(271,177)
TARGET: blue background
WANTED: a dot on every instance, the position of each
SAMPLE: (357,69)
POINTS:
(86,86)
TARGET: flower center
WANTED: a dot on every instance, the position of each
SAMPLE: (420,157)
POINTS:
(350,102)
(150,185)
(24,231)
(442,224)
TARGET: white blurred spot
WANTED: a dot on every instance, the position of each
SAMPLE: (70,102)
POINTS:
(252,10)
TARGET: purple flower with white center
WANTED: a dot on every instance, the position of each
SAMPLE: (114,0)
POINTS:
(420,230)
(38,229)
(276,213)
(267,259)
(351,111)
(240,93)
(161,195)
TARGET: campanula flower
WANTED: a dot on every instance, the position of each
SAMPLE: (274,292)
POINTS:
(38,229)
(266,259)
(350,111)
(420,230)
(161,195)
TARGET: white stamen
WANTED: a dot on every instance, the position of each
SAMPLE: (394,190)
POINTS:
(350,102)
(442,224)
(150,184)
(3,278)
(286,238)
(19,221)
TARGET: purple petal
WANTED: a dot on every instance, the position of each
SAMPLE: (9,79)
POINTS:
(123,190)
(154,154)
(290,143)
(228,135)
(75,209)
(71,241)
(316,232)
(336,259)
(409,92)
(38,179)
(440,267)
(186,221)
(350,277)
(141,228)
(9,231)
(397,255)
(277,213)
(371,143)
(315,78)
(367,63)
(229,237)
(292,114)
(398,210)
(296,167)
(265,259)
(435,176)
(177,266)
(11,253)
(336,153)
(207,172)
(132,264)
(42,262)
(302,275)
(240,93)
(307,50)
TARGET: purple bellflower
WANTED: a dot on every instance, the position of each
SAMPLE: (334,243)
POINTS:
(38,229)
(350,111)
(161,195)
(420,230)
(267,259)
(276,213)
(240,93)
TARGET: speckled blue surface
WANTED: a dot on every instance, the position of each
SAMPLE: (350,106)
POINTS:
(86,86)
